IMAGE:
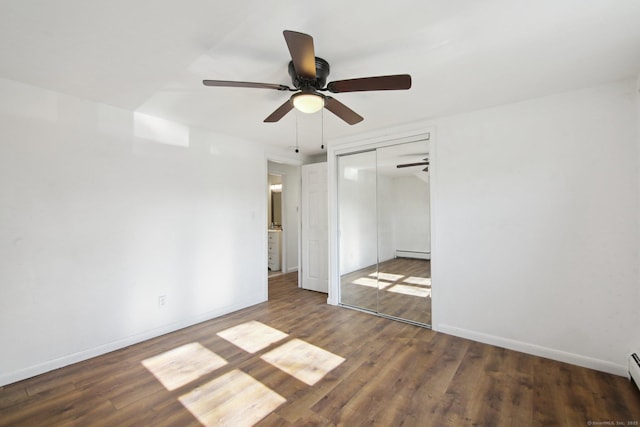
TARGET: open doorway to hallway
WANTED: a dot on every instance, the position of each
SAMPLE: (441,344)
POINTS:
(283,196)
(274,213)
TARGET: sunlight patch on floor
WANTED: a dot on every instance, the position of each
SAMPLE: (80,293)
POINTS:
(387,276)
(252,336)
(365,281)
(302,360)
(422,281)
(180,366)
(372,283)
(234,399)
(383,284)
(414,291)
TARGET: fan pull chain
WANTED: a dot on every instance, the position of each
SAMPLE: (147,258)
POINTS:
(297,144)
(322,129)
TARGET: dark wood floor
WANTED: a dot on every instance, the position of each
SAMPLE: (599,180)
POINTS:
(383,373)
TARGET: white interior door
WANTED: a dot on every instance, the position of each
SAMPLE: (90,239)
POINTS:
(314,228)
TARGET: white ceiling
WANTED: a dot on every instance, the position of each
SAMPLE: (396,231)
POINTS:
(151,56)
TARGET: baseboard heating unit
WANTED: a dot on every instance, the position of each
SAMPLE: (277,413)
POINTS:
(634,369)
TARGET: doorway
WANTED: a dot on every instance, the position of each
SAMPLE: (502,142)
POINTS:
(384,231)
(274,219)
(283,201)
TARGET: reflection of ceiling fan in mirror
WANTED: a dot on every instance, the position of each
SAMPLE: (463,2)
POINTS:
(309,75)
(423,163)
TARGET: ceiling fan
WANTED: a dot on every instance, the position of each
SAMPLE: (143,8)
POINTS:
(309,76)
(423,163)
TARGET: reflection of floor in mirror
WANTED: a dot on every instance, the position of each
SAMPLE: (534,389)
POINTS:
(405,289)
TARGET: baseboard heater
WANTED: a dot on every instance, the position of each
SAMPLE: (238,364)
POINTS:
(412,254)
(634,369)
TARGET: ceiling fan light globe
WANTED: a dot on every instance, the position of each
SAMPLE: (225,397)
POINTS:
(308,102)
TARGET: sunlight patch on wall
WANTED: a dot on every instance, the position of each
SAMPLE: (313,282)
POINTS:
(160,130)
(302,360)
(180,366)
(234,399)
(252,336)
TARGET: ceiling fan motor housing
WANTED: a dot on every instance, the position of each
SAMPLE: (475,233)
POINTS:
(322,72)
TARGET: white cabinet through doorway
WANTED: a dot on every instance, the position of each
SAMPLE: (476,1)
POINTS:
(275,242)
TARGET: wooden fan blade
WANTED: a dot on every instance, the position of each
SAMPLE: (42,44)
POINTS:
(395,82)
(280,112)
(342,111)
(302,53)
(227,83)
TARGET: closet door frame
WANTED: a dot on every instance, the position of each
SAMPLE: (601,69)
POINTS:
(366,143)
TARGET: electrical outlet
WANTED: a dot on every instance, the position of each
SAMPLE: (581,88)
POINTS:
(162,300)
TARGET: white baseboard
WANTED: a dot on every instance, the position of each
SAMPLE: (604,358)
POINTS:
(536,350)
(292,269)
(49,365)
(413,254)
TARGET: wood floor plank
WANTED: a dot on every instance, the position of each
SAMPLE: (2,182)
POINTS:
(393,374)
(12,395)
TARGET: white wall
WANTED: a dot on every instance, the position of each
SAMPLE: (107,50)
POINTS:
(386,224)
(96,223)
(536,213)
(357,216)
(412,214)
(291,204)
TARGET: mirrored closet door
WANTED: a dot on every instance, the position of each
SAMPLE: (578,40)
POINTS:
(357,201)
(384,231)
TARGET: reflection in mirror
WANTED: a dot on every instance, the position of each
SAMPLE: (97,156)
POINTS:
(404,247)
(357,230)
(384,231)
